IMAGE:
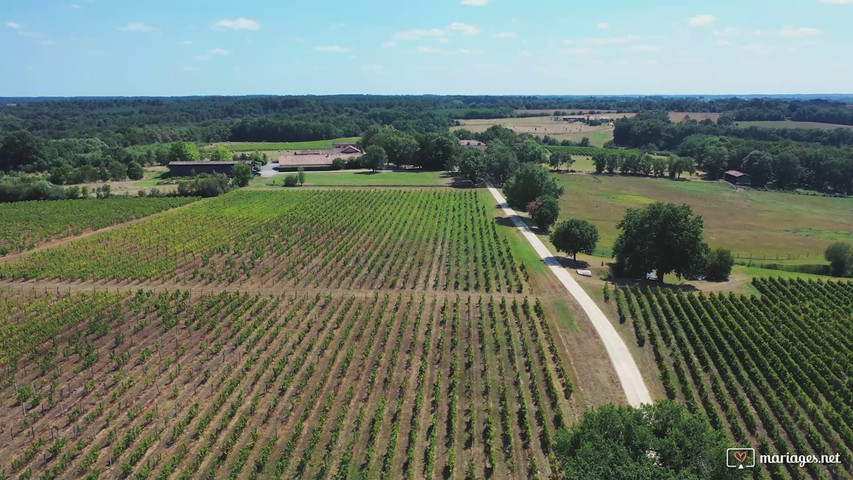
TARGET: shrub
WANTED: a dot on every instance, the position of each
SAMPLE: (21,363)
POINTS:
(291,180)
(719,265)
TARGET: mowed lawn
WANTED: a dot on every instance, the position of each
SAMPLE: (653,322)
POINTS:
(751,222)
(541,126)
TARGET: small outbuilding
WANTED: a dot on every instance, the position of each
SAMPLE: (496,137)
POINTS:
(191,169)
(738,179)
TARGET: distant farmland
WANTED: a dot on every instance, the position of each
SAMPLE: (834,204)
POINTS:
(698,116)
(541,126)
(792,124)
(280,146)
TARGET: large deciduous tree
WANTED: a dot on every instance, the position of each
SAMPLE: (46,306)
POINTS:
(472,165)
(529,151)
(544,211)
(660,441)
(840,258)
(438,151)
(575,236)
(242,174)
(19,149)
(759,165)
(220,153)
(501,163)
(183,152)
(530,182)
(558,159)
(374,158)
(719,264)
(661,237)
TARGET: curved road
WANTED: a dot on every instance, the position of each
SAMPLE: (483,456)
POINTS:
(629,375)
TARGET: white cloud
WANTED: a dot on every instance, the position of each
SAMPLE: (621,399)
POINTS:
(410,35)
(75,6)
(238,24)
(579,51)
(211,53)
(331,49)
(610,41)
(526,54)
(643,48)
(799,32)
(727,32)
(190,69)
(568,41)
(336,26)
(14,25)
(466,51)
(462,29)
(475,3)
(702,20)
(506,35)
(428,50)
(187,42)
(388,44)
(603,26)
(374,67)
(136,27)
(443,40)
(722,43)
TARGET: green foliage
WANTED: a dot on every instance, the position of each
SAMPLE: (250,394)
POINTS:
(530,151)
(183,152)
(300,173)
(760,166)
(500,162)
(660,441)
(242,174)
(559,159)
(528,183)
(719,264)
(291,180)
(472,165)
(575,236)
(374,158)
(840,258)
(338,163)
(135,171)
(220,153)
(204,186)
(19,149)
(662,237)
(544,211)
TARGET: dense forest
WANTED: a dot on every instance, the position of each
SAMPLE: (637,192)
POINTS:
(77,140)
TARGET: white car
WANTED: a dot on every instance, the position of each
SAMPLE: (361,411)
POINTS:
(584,273)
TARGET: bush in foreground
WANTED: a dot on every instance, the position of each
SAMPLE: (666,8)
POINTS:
(660,441)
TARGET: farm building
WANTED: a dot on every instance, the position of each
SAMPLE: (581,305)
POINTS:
(737,178)
(472,144)
(317,159)
(190,169)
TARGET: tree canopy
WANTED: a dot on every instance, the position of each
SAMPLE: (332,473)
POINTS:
(374,158)
(575,236)
(662,237)
(840,258)
(183,152)
(528,183)
(242,174)
(662,441)
(544,211)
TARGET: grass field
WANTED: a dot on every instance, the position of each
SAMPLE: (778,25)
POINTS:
(541,126)
(792,124)
(282,146)
(765,224)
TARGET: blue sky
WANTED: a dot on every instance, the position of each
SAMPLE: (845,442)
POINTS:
(203,47)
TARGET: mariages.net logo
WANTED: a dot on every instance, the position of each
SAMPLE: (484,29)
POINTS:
(741,458)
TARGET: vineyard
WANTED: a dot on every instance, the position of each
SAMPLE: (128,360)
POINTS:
(233,385)
(24,225)
(357,239)
(771,370)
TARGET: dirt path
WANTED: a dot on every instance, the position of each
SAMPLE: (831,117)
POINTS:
(629,374)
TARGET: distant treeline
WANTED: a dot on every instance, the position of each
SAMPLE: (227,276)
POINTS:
(786,158)
(139,121)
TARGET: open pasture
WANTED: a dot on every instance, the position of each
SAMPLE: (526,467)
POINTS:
(792,124)
(238,147)
(764,224)
(541,126)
